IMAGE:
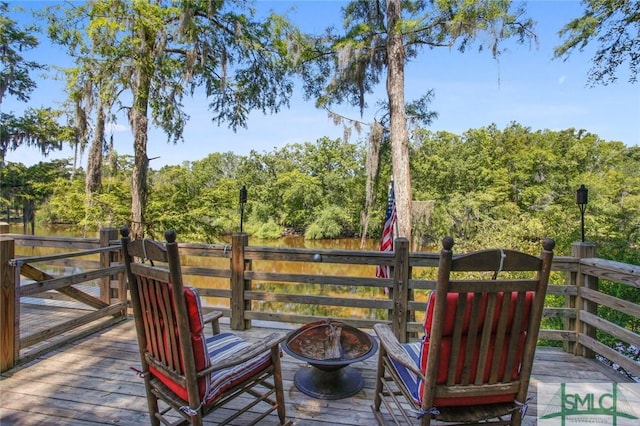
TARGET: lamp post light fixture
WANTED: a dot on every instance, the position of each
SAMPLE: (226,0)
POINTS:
(581,201)
(243,201)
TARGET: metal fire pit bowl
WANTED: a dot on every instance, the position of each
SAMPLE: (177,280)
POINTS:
(329,347)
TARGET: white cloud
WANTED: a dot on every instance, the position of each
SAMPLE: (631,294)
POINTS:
(116,128)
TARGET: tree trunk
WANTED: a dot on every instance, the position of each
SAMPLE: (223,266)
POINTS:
(398,122)
(76,148)
(139,123)
(93,179)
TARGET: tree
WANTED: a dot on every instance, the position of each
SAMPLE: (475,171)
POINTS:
(37,127)
(614,25)
(91,93)
(384,36)
(200,198)
(23,185)
(162,51)
(14,77)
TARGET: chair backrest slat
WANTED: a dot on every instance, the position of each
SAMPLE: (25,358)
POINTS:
(171,333)
(147,308)
(456,341)
(485,340)
(500,337)
(472,337)
(514,337)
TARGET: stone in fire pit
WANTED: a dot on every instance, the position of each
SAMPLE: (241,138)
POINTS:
(329,346)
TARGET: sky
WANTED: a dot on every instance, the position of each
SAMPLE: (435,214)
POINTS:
(472,90)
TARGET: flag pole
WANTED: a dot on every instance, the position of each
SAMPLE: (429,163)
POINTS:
(395,232)
(389,228)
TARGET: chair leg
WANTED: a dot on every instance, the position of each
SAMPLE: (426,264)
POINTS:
(426,420)
(197,420)
(516,418)
(152,402)
(377,400)
(277,382)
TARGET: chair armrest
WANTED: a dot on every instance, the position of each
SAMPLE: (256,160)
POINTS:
(391,345)
(212,317)
(270,342)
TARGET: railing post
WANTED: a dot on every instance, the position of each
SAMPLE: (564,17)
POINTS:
(4,228)
(583,250)
(238,284)
(106,291)
(569,324)
(401,289)
(9,319)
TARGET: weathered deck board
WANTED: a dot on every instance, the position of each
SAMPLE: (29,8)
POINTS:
(90,383)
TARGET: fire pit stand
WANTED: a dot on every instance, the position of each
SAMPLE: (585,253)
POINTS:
(329,347)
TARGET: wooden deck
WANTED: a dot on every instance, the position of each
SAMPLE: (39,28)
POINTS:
(90,382)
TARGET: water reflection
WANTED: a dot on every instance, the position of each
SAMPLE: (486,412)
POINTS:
(54,231)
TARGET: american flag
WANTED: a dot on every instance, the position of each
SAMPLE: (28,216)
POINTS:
(386,243)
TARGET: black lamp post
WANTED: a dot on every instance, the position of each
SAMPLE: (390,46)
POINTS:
(243,201)
(581,200)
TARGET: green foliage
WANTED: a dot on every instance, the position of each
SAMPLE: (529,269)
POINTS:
(38,126)
(20,184)
(14,75)
(301,196)
(293,184)
(67,202)
(267,231)
(612,24)
(198,199)
(486,187)
(329,224)
(108,207)
(516,186)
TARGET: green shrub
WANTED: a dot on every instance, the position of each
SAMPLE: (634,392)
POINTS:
(267,231)
(329,224)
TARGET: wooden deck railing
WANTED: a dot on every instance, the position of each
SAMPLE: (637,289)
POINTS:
(250,283)
(45,311)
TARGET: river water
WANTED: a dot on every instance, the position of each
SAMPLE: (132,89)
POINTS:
(287,241)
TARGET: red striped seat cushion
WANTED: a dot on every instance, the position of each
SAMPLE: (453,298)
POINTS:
(221,347)
(446,346)
(452,307)
(208,351)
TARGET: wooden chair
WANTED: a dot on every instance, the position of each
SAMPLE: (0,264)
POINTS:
(481,328)
(187,375)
